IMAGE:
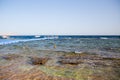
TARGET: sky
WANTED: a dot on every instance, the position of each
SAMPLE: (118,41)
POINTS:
(59,17)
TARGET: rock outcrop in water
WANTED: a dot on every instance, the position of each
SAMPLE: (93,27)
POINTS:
(11,56)
(39,60)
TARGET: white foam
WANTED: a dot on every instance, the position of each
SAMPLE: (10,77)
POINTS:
(4,42)
(78,52)
(37,36)
(103,38)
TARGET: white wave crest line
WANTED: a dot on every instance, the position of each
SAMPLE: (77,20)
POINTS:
(17,41)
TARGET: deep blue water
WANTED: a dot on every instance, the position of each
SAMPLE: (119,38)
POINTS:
(62,36)
(25,38)
(65,43)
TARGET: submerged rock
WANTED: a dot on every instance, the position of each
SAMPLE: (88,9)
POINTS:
(39,60)
(11,56)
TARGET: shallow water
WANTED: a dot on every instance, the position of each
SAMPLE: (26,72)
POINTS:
(69,44)
(100,63)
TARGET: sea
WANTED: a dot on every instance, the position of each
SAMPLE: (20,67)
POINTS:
(68,43)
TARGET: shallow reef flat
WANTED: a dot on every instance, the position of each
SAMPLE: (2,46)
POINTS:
(25,63)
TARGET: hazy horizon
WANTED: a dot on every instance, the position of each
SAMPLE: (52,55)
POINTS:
(59,17)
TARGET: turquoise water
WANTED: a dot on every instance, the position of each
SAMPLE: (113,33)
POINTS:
(78,44)
(66,43)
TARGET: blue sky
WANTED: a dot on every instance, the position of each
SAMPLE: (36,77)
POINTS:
(60,17)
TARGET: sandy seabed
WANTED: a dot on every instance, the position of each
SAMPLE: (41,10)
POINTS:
(25,63)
